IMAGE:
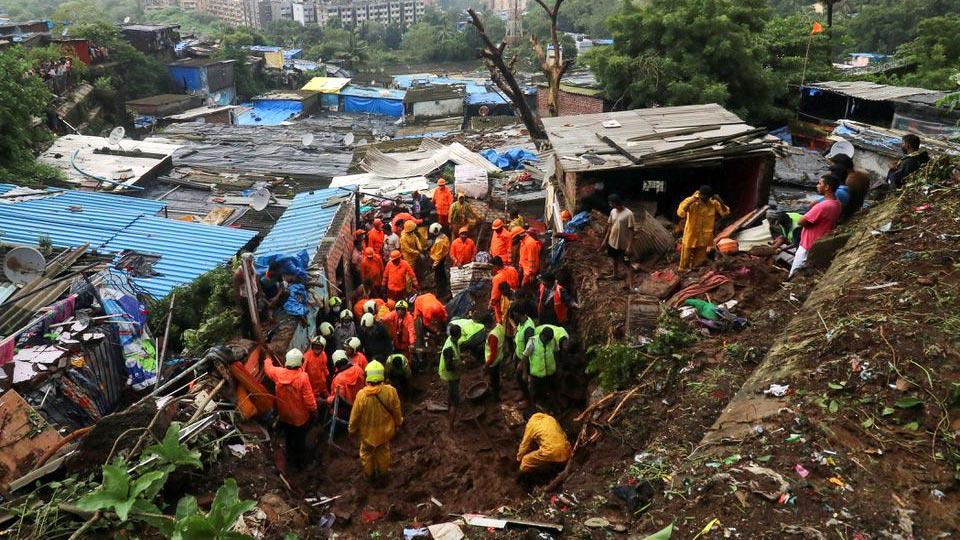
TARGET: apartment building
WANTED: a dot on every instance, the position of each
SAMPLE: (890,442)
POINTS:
(355,12)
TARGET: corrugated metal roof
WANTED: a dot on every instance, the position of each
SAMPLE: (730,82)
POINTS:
(870,91)
(268,112)
(326,85)
(304,224)
(112,223)
(372,92)
(187,250)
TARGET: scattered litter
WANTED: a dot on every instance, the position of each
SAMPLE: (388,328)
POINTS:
(881,286)
(478,520)
(777,390)
(411,534)
(369,516)
(597,523)
(436,501)
(801,471)
(635,496)
(238,450)
(937,494)
(446,531)
(806,532)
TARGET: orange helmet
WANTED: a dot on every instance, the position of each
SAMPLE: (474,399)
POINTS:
(394,255)
(441,182)
(497,223)
(728,246)
(517,230)
(565,215)
(368,252)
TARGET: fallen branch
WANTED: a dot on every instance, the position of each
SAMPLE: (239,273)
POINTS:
(590,409)
(565,473)
(623,402)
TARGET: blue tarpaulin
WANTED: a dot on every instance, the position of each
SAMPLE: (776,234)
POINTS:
(509,160)
(386,107)
(295,264)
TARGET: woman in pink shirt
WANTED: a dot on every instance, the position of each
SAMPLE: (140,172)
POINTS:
(818,221)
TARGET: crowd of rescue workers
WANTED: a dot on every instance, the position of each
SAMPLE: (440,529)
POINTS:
(371,343)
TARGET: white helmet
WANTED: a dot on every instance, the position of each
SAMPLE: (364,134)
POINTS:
(346,314)
(370,306)
(354,343)
(318,340)
(294,358)
(326,329)
(367,320)
(435,228)
(340,357)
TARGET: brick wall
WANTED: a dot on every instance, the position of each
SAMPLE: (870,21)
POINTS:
(337,246)
(569,104)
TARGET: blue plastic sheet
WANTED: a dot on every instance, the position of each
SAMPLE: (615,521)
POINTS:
(292,264)
(509,160)
(577,223)
(460,305)
(386,107)
(296,303)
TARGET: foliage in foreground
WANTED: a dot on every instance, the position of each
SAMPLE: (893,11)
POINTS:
(617,365)
(133,500)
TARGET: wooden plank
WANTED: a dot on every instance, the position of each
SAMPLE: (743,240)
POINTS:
(24,436)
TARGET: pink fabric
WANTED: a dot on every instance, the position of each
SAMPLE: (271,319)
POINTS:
(7,347)
(711,280)
(822,218)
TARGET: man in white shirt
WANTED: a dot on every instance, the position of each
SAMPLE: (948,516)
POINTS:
(619,235)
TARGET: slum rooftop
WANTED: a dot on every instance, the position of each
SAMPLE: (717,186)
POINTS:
(871,91)
(642,137)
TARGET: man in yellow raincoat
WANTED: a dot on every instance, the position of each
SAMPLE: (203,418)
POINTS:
(374,419)
(463,215)
(700,210)
(411,246)
(544,447)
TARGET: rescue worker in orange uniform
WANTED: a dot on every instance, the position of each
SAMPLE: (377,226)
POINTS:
(442,200)
(530,254)
(462,249)
(375,236)
(374,419)
(371,267)
(544,448)
(500,242)
(404,217)
(402,328)
(315,365)
(502,273)
(348,380)
(395,275)
(429,315)
(553,301)
(352,348)
(296,404)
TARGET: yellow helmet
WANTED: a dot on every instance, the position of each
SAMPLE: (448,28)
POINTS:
(402,304)
(374,372)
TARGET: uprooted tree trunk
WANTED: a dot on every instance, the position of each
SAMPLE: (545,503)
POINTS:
(501,72)
(552,68)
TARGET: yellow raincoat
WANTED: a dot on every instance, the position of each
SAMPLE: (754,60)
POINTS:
(410,245)
(462,215)
(374,419)
(552,445)
(699,229)
(440,249)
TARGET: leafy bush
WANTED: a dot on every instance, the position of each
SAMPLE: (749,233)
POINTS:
(204,313)
(616,365)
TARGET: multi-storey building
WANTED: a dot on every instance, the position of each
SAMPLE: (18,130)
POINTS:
(404,12)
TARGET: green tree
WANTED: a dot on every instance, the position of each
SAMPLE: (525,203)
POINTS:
(883,25)
(786,40)
(683,52)
(23,101)
(936,53)
(195,23)
(136,75)
(233,43)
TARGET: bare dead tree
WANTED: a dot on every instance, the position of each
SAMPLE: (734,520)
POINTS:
(501,71)
(552,68)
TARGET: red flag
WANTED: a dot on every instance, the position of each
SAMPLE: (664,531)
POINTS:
(817,28)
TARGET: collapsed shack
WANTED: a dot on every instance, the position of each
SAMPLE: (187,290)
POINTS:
(654,158)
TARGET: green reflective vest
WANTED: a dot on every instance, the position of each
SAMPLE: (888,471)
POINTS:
(559,332)
(518,341)
(452,374)
(543,361)
(500,333)
(468,329)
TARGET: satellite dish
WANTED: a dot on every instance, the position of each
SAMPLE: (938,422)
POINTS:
(348,139)
(841,147)
(23,264)
(260,199)
(126,20)
(116,135)
(307,140)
